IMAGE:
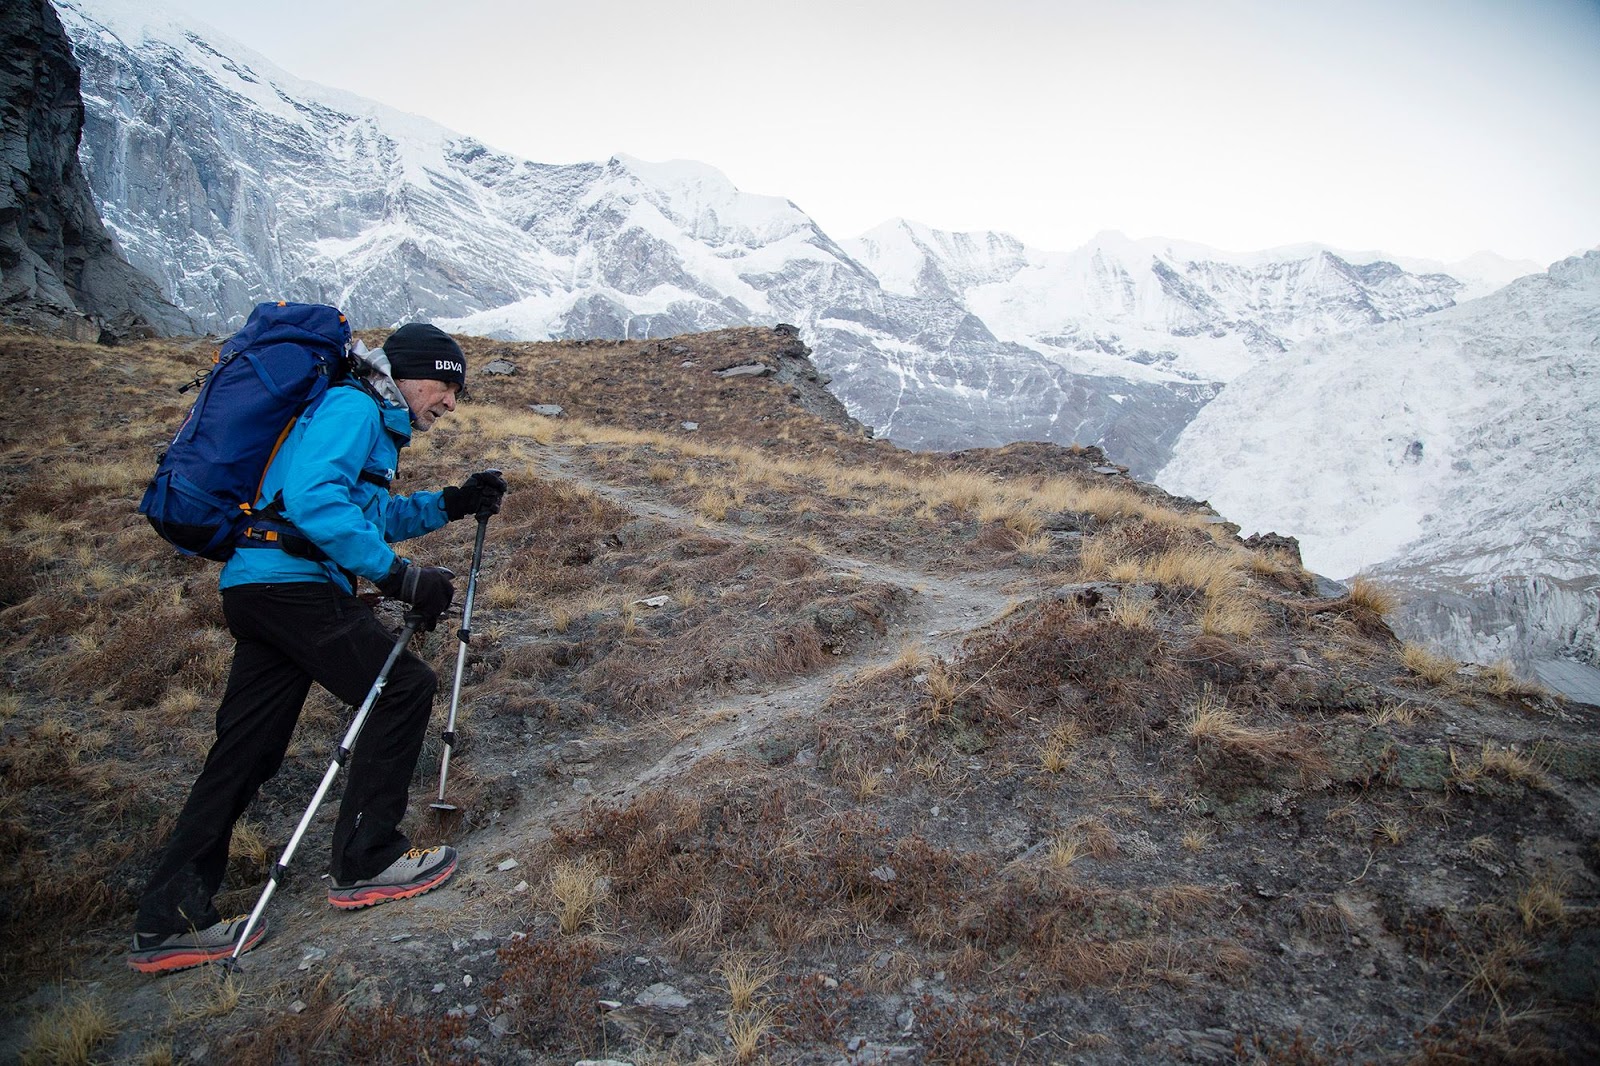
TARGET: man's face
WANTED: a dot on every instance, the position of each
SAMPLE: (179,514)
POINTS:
(428,400)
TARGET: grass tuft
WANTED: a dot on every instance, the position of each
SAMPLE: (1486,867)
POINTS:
(1368,595)
(1432,666)
(69,1035)
(577,890)
(1542,903)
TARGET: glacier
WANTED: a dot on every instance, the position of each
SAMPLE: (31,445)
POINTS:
(1455,458)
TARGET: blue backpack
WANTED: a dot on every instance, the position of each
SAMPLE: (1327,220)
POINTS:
(264,377)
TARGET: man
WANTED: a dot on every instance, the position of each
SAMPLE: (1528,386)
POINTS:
(288,593)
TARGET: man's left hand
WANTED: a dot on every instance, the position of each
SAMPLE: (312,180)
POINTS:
(479,495)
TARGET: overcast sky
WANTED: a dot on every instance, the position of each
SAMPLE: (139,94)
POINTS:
(1417,127)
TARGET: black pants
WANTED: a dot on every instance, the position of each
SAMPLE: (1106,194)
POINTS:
(287,637)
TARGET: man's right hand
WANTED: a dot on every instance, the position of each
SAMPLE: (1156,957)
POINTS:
(428,589)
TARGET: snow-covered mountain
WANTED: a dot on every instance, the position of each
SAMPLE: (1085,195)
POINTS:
(1177,311)
(230,181)
(1456,457)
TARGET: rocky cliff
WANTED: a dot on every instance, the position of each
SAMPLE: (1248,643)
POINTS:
(59,270)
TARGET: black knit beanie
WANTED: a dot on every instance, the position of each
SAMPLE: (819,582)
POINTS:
(421,350)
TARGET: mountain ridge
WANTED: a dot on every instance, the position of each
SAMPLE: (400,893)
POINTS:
(199,151)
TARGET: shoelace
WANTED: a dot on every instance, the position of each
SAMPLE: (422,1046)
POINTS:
(417,853)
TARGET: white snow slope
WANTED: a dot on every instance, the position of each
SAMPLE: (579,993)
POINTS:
(1457,453)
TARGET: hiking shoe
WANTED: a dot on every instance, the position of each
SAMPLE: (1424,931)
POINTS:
(417,871)
(159,953)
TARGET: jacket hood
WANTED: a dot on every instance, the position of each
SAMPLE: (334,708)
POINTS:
(376,371)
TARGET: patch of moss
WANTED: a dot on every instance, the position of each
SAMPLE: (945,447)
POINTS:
(1576,761)
(1364,755)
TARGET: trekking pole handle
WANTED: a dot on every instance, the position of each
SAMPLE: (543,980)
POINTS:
(484,516)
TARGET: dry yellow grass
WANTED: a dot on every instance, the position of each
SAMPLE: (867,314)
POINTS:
(1097,556)
(247,845)
(1278,566)
(1105,502)
(1100,839)
(944,688)
(1056,754)
(864,781)
(1369,595)
(1207,569)
(1135,614)
(69,1035)
(499,424)
(180,705)
(577,891)
(1432,666)
(961,490)
(1500,679)
(220,997)
(1126,571)
(1213,723)
(157,1055)
(745,979)
(1230,616)
(1402,714)
(747,1032)
(1036,546)
(715,505)
(1511,765)
(1543,902)
(1064,851)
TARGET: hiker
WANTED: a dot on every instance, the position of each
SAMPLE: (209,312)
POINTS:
(288,594)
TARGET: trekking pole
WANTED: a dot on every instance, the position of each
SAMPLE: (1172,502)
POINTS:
(464,635)
(412,621)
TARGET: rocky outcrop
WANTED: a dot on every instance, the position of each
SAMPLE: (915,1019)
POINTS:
(59,270)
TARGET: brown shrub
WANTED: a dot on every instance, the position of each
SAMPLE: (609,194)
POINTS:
(543,990)
(809,1011)
(17,580)
(760,861)
(1052,646)
(384,1034)
(970,1032)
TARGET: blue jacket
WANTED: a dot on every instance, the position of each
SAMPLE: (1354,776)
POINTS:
(318,472)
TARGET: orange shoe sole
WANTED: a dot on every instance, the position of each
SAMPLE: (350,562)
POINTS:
(169,960)
(355,898)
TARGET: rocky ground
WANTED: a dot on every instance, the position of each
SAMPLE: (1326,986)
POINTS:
(781,744)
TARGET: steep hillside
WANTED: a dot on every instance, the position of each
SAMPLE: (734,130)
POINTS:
(782,744)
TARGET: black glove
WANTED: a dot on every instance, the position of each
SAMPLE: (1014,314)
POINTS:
(428,589)
(479,495)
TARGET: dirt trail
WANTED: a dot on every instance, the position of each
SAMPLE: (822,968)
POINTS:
(942,612)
